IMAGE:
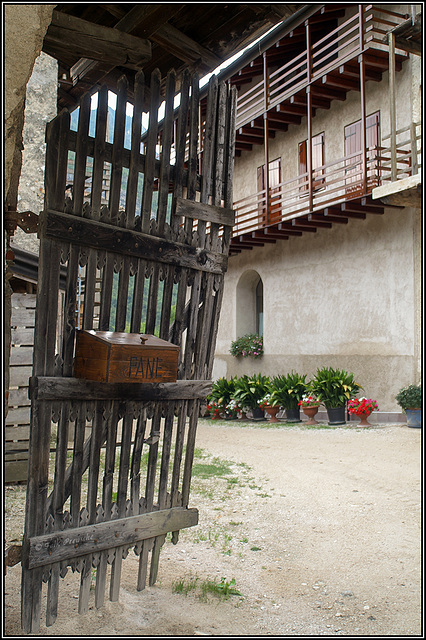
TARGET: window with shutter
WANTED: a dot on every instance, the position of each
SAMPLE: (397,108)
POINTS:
(317,163)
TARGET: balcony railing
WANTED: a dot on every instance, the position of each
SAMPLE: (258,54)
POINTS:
(404,157)
(334,183)
(363,30)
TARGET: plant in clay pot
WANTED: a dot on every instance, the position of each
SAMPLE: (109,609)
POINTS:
(310,405)
(362,407)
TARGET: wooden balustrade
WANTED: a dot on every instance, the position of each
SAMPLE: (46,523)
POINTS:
(331,52)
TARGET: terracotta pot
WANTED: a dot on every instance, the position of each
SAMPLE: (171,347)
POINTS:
(310,412)
(363,419)
(272,411)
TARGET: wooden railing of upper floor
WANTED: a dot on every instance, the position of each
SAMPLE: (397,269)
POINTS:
(363,30)
(334,183)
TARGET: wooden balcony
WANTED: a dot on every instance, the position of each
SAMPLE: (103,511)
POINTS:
(328,66)
(341,190)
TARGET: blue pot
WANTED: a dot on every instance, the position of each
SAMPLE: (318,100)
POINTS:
(414,418)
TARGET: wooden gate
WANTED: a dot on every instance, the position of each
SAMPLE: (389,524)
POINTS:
(159,248)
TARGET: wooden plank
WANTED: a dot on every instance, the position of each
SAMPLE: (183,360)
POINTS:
(133,179)
(20,415)
(55,388)
(21,355)
(206,212)
(23,300)
(111,410)
(22,317)
(167,138)
(19,376)
(15,471)
(133,243)
(73,543)
(151,144)
(77,36)
(19,398)
(22,336)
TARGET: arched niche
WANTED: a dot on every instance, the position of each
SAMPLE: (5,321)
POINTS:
(249,315)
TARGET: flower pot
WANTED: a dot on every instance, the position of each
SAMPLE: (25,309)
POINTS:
(310,412)
(414,418)
(293,415)
(336,415)
(363,419)
(258,414)
(272,411)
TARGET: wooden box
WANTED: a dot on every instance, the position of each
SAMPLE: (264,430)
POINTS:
(110,356)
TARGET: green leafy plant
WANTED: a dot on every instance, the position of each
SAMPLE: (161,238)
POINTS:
(410,397)
(248,346)
(334,387)
(222,589)
(287,391)
(221,397)
(250,391)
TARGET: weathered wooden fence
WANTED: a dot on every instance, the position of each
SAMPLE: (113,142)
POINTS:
(160,257)
(17,422)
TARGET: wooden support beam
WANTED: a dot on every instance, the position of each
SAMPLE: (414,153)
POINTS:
(329,216)
(279,116)
(288,229)
(359,208)
(183,47)
(259,235)
(317,103)
(320,90)
(341,82)
(79,541)
(56,388)
(69,34)
(86,232)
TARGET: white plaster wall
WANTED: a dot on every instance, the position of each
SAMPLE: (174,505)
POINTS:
(342,297)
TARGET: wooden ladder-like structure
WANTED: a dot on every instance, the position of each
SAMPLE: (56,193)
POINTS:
(161,257)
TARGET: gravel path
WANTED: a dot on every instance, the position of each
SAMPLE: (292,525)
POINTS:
(319,528)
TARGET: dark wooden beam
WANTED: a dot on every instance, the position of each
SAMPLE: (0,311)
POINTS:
(352,71)
(359,208)
(322,91)
(317,103)
(340,82)
(329,216)
(288,229)
(70,34)
(287,118)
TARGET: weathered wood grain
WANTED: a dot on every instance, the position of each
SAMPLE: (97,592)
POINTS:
(114,239)
(72,543)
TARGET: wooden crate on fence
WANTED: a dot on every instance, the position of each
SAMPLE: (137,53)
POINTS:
(160,263)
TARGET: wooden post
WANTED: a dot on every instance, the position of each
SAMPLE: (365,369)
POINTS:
(413,140)
(362,95)
(266,138)
(309,113)
(392,109)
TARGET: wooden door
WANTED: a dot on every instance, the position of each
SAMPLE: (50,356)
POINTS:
(353,147)
(317,163)
(160,264)
(274,204)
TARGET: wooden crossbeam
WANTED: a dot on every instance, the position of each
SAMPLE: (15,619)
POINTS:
(74,35)
(76,542)
(109,237)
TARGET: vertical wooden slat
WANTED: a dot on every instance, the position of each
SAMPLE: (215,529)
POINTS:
(117,150)
(123,476)
(132,184)
(151,143)
(107,487)
(166,151)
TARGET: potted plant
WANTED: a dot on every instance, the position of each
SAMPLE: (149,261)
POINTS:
(249,393)
(270,408)
(333,388)
(362,407)
(410,400)
(248,346)
(286,392)
(221,394)
(310,405)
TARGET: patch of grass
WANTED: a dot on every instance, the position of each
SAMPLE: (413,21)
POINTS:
(223,589)
(255,549)
(185,585)
(216,468)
